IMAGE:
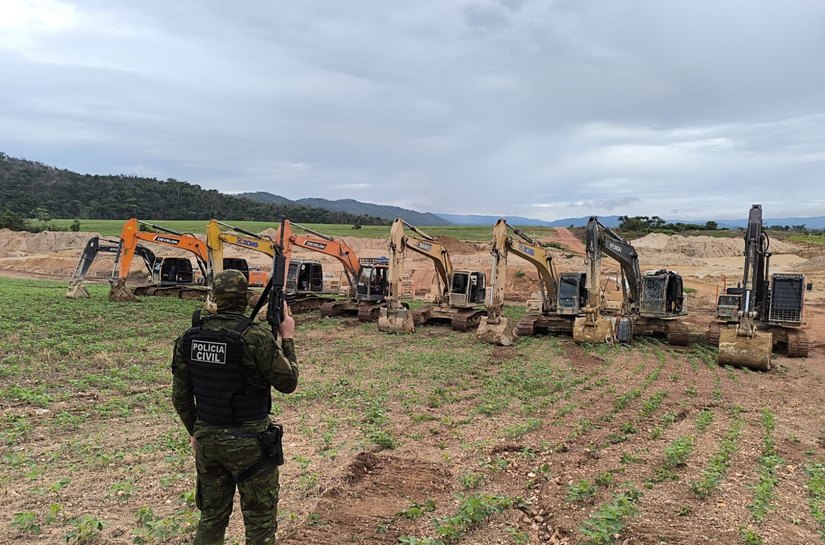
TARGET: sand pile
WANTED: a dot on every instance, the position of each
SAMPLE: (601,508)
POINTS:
(701,246)
(45,242)
(815,264)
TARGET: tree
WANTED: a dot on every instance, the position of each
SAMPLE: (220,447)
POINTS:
(75,226)
(711,226)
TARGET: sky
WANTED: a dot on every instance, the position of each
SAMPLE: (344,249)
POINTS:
(547,109)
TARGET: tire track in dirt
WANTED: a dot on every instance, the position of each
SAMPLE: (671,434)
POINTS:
(569,240)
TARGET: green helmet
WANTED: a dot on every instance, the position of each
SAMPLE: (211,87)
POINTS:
(229,290)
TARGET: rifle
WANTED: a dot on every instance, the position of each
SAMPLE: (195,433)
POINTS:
(275,287)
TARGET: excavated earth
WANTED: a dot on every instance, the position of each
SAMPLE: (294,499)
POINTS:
(359,496)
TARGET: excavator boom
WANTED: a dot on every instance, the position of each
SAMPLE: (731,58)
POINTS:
(495,327)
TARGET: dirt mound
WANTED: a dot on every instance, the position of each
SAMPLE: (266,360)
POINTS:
(702,246)
(815,264)
(455,246)
(44,242)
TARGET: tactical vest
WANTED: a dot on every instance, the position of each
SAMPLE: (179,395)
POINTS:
(222,394)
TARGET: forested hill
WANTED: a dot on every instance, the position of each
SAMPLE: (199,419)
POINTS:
(32,189)
(355,207)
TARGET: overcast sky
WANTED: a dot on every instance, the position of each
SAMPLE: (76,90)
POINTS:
(546,109)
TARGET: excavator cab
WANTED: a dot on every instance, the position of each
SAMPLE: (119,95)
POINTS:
(372,282)
(662,295)
(468,289)
(728,304)
(572,296)
(304,276)
(237,263)
(172,271)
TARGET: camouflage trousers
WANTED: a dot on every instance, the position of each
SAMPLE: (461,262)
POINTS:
(218,460)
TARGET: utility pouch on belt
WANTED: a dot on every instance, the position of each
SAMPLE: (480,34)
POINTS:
(272,443)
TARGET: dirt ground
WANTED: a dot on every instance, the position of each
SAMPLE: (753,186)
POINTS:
(601,421)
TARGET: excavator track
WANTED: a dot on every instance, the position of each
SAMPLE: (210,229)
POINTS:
(467,320)
(678,334)
(714,330)
(797,344)
(368,313)
(526,327)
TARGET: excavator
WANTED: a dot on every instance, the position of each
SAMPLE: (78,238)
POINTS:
(304,279)
(761,313)
(367,277)
(561,297)
(651,304)
(394,316)
(90,251)
(171,276)
(457,294)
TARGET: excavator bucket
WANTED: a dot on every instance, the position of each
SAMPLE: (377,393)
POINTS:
(396,321)
(596,330)
(752,351)
(78,291)
(502,333)
(119,293)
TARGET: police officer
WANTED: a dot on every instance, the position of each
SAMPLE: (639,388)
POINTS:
(223,369)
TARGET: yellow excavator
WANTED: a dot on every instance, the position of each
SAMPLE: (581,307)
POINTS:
(651,304)
(561,297)
(763,311)
(304,278)
(456,295)
(495,327)
(394,316)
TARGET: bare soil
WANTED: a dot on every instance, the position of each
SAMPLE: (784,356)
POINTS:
(584,431)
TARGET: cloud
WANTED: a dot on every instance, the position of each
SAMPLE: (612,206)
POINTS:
(492,107)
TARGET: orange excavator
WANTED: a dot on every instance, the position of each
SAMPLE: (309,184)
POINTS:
(367,277)
(170,276)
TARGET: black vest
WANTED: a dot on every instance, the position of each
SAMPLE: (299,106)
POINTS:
(223,396)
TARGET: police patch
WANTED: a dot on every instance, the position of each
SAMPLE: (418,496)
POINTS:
(208,352)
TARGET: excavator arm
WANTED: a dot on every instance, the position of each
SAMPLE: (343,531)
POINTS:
(611,244)
(330,246)
(496,328)
(394,316)
(435,251)
(215,239)
(533,252)
(90,251)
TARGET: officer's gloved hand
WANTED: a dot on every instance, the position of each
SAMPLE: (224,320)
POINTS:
(287,327)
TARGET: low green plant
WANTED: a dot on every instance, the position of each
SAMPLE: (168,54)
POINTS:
(606,523)
(26,522)
(472,511)
(704,419)
(418,510)
(85,529)
(816,495)
(769,461)
(750,537)
(718,465)
(580,491)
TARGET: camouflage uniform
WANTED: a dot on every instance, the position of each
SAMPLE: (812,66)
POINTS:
(220,455)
